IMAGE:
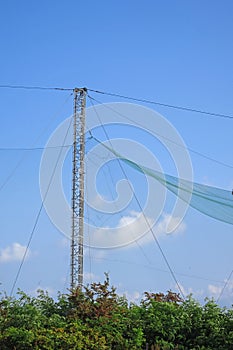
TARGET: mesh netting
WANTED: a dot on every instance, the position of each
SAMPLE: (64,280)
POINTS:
(212,201)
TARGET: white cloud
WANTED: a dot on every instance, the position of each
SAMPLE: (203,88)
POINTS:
(14,252)
(133,227)
(217,291)
(196,293)
(129,229)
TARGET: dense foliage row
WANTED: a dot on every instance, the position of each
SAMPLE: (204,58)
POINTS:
(97,318)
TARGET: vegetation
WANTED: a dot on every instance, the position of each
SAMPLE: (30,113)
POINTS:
(97,318)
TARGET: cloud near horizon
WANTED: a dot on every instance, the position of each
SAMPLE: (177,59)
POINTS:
(218,291)
(13,252)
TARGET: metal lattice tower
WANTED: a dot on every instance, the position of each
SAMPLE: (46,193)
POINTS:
(76,264)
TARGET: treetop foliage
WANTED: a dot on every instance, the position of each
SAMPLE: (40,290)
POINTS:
(97,318)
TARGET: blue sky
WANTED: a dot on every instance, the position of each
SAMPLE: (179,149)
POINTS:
(175,52)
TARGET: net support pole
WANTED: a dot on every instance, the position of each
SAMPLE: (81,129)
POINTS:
(78,169)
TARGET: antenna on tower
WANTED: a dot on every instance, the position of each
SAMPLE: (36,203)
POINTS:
(76,263)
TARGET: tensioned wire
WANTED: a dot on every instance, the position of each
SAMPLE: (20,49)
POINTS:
(136,99)
(186,109)
(162,136)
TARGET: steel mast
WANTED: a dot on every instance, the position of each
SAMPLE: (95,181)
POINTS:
(76,263)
